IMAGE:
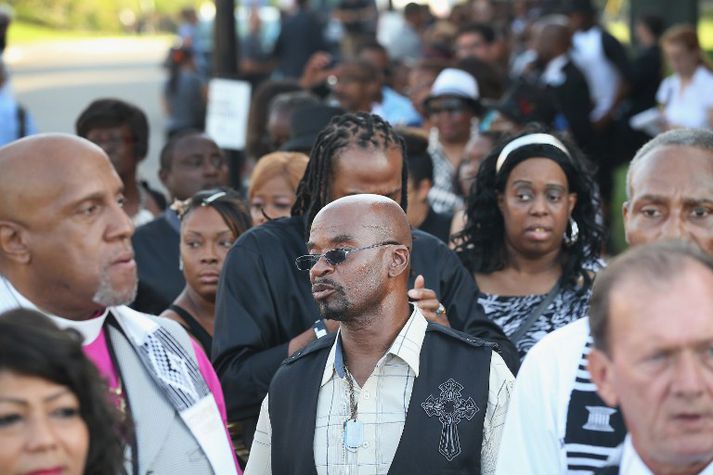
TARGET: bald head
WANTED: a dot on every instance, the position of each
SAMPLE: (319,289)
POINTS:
(376,214)
(552,37)
(65,240)
(360,256)
(38,168)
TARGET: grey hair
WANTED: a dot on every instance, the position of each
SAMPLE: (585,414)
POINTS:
(701,139)
(291,101)
(651,264)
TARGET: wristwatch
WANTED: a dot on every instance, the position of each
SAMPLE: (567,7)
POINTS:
(319,329)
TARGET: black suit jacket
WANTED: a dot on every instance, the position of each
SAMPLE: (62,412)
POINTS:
(156,246)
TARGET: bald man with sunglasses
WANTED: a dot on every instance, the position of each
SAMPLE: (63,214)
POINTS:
(383,394)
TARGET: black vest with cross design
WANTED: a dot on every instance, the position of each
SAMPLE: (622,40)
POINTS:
(454,372)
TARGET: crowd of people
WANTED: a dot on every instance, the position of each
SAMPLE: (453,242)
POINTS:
(417,279)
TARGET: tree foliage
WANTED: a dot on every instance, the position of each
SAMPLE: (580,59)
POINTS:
(99,15)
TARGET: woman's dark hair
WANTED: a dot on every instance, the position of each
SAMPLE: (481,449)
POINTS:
(258,142)
(116,113)
(226,201)
(482,241)
(31,345)
(362,130)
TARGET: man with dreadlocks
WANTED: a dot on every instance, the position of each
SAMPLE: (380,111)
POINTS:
(265,310)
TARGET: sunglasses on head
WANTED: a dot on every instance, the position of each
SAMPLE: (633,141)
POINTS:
(453,106)
(334,256)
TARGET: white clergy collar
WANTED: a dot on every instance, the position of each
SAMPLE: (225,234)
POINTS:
(11,298)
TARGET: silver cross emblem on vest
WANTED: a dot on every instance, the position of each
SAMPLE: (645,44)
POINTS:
(450,408)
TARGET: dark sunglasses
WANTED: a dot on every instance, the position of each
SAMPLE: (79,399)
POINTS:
(334,256)
(454,106)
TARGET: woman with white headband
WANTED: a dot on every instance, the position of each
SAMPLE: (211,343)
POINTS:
(532,239)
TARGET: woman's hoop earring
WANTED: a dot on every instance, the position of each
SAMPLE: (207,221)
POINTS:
(573,235)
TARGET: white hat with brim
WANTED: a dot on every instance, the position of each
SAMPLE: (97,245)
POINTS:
(455,83)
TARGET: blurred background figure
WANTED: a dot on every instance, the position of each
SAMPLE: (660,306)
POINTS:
(185,93)
(273,185)
(55,411)
(478,147)
(386,101)
(305,125)
(647,65)
(258,141)
(211,221)
(420,214)
(5,20)
(279,115)
(121,130)
(358,19)
(407,44)
(300,37)
(190,37)
(686,95)
(453,107)
(190,162)
(420,80)
(532,239)
(15,121)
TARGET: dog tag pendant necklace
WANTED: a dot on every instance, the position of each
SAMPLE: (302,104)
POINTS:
(353,429)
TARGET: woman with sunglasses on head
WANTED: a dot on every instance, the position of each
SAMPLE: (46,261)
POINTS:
(532,239)
(273,185)
(55,413)
(211,221)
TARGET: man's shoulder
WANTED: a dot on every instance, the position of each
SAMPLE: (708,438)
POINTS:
(172,326)
(427,240)
(563,344)
(314,347)
(278,234)
(458,337)
(155,227)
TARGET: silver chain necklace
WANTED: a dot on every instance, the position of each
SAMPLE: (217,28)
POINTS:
(353,429)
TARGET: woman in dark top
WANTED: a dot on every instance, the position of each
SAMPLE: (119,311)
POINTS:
(211,221)
(532,239)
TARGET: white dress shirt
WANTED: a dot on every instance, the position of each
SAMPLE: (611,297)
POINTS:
(631,463)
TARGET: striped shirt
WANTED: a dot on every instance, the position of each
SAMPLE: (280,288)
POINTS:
(383,403)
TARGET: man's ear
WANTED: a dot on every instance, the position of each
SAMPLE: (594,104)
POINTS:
(399,261)
(423,188)
(13,242)
(163,176)
(601,371)
(625,215)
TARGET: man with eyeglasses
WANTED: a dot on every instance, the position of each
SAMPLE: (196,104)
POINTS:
(189,162)
(265,310)
(384,394)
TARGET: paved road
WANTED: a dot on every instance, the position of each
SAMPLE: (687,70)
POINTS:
(56,80)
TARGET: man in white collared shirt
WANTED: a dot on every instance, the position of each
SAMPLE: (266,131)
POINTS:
(659,373)
(390,393)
